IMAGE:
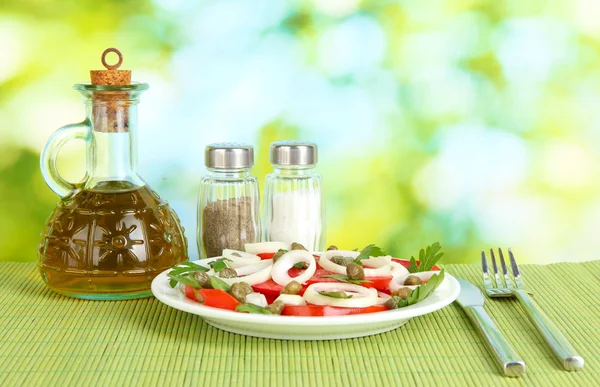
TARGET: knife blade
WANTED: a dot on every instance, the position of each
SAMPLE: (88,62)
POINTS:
(471,299)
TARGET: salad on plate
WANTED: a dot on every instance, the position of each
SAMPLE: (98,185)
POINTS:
(274,278)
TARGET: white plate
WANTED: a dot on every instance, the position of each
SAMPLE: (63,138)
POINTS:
(306,328)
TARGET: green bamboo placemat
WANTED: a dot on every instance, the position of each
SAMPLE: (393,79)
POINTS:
(47,339)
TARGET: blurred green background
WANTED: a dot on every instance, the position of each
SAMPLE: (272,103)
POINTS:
(472,123)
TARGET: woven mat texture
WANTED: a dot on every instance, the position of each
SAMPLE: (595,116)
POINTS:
(48,339)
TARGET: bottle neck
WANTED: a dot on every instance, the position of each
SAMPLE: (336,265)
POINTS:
(113,151)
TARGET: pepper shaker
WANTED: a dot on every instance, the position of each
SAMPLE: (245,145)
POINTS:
(228,200)
(294,209)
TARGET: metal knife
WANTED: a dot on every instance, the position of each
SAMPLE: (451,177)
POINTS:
(471,300)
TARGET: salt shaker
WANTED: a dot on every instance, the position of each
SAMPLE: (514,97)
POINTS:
(228,200)
(294,210)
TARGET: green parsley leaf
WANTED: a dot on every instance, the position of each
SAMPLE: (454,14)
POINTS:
(418,294)
(186,279)
(427,258)
(218,283)
(252,308)
(336,294)
(184,273)
(219,264)
(369,251)
(344,278)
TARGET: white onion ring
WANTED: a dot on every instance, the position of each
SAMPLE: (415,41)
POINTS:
(256,299)
(253,268)
(266,247)
(377,262)
(398,270)
(361,298)
(244,259)
(325,262)
(289,259)
(261,272)
(291,299)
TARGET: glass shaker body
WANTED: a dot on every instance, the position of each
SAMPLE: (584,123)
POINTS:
(228,210)
(294,210)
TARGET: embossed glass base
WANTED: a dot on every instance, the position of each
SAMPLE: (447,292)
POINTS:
(110,244)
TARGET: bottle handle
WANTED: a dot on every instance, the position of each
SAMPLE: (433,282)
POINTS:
(60,186)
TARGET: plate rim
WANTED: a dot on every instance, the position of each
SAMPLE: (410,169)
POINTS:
(161,282)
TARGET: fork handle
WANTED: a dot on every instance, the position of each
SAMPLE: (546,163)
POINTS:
(506,357)
(563,350)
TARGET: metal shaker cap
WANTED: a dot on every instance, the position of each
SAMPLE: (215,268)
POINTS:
(228,155)
(294,153)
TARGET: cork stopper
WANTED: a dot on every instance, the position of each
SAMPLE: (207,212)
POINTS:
(111,108)
(111,76)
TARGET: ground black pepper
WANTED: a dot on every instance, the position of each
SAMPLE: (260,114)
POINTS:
(228,224)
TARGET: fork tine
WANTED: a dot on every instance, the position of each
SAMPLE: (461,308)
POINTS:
(516,272)
(509,282)
(487,281)
(499,283)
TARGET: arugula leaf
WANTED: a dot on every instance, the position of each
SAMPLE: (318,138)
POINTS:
(344,278)
(218,283)
(369,251)
(219,264)
(300,265)
(336,294)
(252,308)
(427,258)
(418,294)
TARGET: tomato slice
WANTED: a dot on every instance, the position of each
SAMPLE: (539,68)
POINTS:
(319,310)
(212,297)
(270,289)
(192,293)
(266,255)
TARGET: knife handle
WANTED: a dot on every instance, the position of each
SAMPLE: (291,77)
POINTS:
(506,357)
(559,344)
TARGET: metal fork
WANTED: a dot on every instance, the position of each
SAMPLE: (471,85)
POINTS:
(506,286)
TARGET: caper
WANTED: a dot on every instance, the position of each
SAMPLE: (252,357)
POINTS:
(391,304)
(203,279)
(298,246)
(240,290)
(276,307)
(343,261)
(355,271)
(402,293)
(228,273)
(413,280)
(278,255)
(332,247)
(301,265)
(293,287)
